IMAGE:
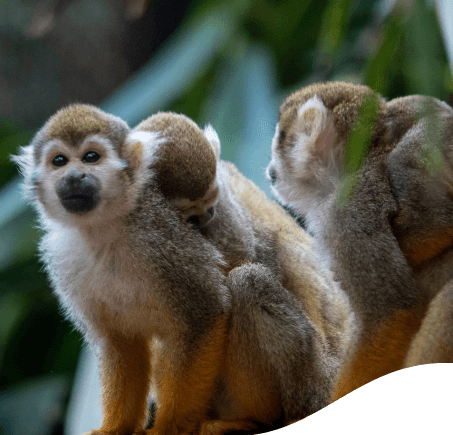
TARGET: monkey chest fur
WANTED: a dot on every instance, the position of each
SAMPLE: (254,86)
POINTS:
(104,286)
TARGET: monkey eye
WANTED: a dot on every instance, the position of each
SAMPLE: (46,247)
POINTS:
(59,161)
(91,157)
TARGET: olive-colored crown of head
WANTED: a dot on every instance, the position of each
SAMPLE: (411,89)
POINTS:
(74,123)
(186,163)
(340,98)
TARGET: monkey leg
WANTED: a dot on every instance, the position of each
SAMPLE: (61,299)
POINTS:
(186,387)
(125,368)
(380,352)
(272,372)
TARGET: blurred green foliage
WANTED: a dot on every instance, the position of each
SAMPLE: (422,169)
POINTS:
(356,148)
(230,63)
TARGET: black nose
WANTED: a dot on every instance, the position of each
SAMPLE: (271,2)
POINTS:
(79,193)
(272,173)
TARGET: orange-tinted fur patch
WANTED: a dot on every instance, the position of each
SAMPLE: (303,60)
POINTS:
(253,394)
(418,249)
(125,374)
(184,395)
(379,354)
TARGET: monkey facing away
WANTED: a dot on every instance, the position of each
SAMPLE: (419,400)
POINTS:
(389,246)
(424,226)
(290,325)
(229,328)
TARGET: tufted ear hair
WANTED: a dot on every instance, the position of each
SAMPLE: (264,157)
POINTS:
(141,148)
(213,138)
(315,137)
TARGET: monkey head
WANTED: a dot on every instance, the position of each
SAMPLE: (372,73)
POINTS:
(185,164)
(308,145)
(410,135)
(78,166)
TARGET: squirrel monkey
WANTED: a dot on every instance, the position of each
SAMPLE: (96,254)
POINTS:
(230,326)
(424,225)
(139,284)
(186,167)
(380,245)
(289,324)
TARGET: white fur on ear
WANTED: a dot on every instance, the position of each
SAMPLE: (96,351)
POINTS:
(141,147)
(316,135)
(24,160)
(213,138)
(26,164)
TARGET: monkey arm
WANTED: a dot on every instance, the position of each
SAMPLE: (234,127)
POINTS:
(382,351)
(389,315)
(368,261)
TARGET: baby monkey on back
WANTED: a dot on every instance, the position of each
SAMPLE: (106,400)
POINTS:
(289,324)
(389,244)
(230,326)
(126,271)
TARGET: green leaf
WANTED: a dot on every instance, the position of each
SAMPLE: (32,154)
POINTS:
(335,21)
(378,71)
(356,148)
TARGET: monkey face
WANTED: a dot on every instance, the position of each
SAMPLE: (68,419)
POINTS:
(79,192)
(201,211)
(304,137)
(74,169)
(280,178)
(79,180)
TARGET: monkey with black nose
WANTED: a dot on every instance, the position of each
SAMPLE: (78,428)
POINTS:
(389,244)
(139,284)
(234,326)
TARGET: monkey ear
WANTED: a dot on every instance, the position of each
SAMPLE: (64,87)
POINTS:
(24,160)
(141,148)
(213,138)
(316,137)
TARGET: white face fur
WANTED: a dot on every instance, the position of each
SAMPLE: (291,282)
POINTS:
(87,184)
(76,185)
(303,172)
